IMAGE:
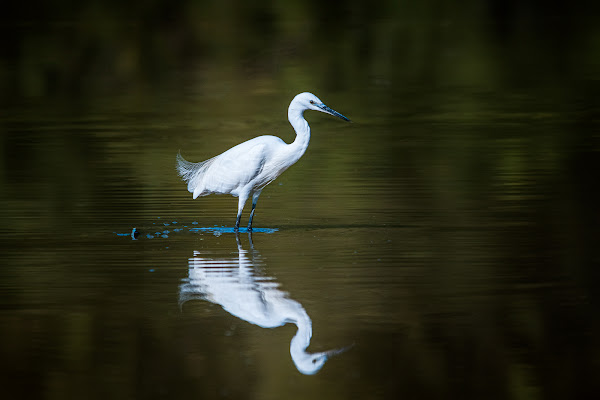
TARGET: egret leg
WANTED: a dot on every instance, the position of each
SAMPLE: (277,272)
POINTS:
(254,201)
(241,204)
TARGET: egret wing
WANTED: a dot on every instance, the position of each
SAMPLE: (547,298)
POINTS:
(233,169)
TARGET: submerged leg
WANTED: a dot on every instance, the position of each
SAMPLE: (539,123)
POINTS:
(241,203)
(254,201)
(238,241)
(250,240)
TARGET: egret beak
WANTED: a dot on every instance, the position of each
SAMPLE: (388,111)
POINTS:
(335,352)
(328,110)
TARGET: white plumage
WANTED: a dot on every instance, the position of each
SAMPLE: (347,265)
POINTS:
(244,170)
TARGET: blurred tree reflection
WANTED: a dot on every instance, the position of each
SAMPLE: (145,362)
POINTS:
(76,48)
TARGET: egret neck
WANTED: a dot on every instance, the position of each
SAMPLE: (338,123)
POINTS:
(307,363)
(300,144)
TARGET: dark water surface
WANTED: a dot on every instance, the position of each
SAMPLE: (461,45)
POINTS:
(443,245)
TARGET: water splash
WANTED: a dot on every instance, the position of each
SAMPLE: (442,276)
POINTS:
(226,229)
(216,230)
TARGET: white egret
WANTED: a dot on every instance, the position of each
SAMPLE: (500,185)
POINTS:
(244,170)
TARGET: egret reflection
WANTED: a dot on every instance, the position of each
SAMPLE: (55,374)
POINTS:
(235,284)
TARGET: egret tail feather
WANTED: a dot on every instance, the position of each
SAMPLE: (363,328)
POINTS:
(191,172)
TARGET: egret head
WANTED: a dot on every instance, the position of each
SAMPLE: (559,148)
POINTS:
(311,363)
(308,101)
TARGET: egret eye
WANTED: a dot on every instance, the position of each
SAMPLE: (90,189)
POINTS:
(312,102)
